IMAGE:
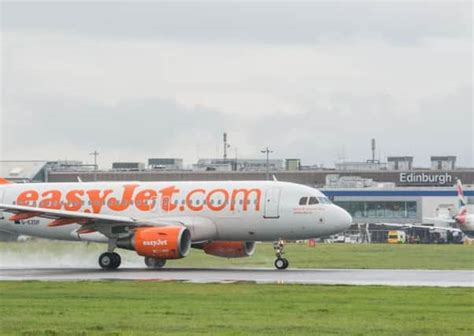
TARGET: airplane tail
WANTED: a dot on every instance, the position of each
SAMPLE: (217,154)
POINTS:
(461,216)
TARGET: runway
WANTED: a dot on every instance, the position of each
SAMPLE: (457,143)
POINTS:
(384,277)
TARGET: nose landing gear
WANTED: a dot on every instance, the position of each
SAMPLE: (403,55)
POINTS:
(280,263)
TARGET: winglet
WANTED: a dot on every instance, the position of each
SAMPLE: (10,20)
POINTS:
(274,178)
(4,181)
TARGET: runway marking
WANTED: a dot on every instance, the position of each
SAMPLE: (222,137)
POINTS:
(385,277)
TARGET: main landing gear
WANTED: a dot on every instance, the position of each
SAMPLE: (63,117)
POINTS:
(154,262)
(280,263)
(110,260)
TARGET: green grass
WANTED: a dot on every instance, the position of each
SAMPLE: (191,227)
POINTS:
(169,308)
(300,256)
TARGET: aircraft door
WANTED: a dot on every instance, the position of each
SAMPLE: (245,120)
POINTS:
(272,203)
(165,203)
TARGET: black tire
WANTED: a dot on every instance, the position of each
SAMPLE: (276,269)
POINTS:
(106,260)
(286,263)
(281,263)
(117,260)
(154,263)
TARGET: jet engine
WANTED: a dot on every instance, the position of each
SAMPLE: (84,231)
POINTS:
(229,249)
(169,242)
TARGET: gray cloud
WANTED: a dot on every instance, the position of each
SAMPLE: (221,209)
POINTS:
(144,128)
(95,75)
(260,22)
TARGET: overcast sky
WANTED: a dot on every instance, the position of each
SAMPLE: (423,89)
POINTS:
(314,81)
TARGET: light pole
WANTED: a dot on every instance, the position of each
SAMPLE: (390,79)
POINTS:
(95,153)
(267,151)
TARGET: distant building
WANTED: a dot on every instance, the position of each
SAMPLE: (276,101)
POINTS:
(23,171)
(128,166)
(443,162)
(27,171)
(244,165)
(260,165)
(165,164)
(292,164)
(400,162)
(361,166)
(220,165)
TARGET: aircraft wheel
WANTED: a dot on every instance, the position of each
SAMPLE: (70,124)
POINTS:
(109,260)
(117,260)
(154,262)
(281,263)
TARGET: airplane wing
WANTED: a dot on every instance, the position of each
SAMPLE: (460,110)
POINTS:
(419,226)
(434,219)
(201,228)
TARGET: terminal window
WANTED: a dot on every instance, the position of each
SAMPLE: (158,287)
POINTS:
(379,209)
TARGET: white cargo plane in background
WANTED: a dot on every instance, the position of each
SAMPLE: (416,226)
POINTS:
(163,220)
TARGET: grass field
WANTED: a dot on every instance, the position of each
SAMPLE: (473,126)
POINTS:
(58,254)
(168,308)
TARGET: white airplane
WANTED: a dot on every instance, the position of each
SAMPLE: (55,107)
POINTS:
(463,220)
(162,220)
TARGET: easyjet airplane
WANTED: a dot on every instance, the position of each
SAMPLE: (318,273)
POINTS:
(163,220)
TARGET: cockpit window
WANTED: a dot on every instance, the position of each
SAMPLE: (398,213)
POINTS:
(324,200)
(313,200)
(303,200)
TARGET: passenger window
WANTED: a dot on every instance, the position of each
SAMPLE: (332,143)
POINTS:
(303,200)
(313,200)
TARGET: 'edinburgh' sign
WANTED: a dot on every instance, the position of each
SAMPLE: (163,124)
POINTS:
(426,178)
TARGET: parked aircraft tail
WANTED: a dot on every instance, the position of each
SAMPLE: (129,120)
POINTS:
(461,216)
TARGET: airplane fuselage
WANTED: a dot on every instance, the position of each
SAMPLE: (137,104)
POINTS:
(238,210)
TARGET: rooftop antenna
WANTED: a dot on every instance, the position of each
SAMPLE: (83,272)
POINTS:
(95,153)
(267,151)
(226,145)
(373,150)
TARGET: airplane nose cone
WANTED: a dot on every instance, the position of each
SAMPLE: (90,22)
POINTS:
(345,219)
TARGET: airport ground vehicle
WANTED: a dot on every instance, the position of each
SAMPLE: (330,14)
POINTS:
(163,220)
(396,237)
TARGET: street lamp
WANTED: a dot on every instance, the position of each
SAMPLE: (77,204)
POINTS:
(95,153)
(267,151)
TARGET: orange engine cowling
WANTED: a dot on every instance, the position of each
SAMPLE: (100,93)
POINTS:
(169,242)
(229,249)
